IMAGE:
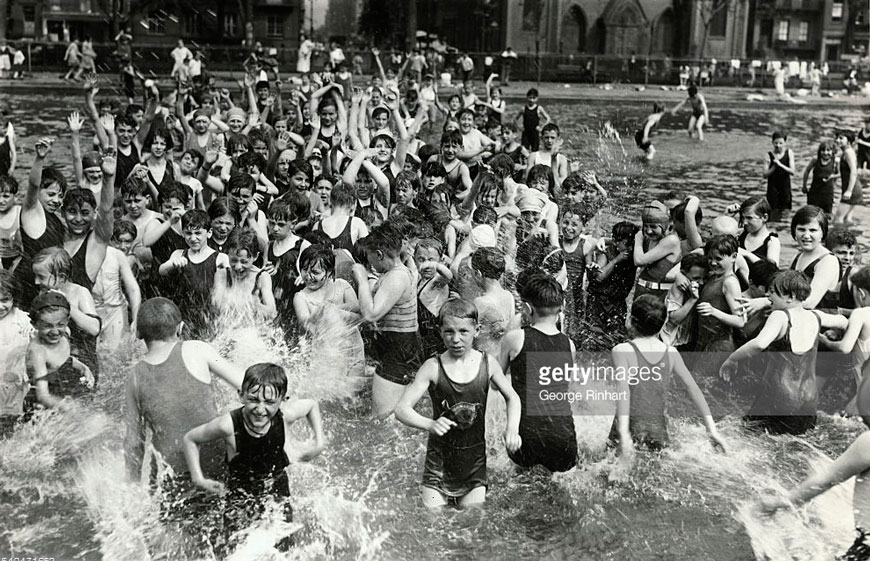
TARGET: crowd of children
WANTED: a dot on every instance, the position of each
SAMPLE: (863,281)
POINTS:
(455,264)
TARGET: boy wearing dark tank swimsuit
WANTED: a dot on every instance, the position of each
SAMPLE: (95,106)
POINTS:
(254,436)
(458,381)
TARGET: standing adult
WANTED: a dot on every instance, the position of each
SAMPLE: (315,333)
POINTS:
(306,47)
(466,66)
(72,58)
(88,61)
(336,55)
(179,54)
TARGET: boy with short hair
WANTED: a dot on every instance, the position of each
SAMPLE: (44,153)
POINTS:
(546,429)
(679,330)
(136,195)
(171,376)
(611,276)
(285,247)
(458,381)
(532,114)
(254,436)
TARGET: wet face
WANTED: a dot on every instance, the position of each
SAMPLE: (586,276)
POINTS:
(324,189)
(7,201)
(241,262)
(314,277)
(43,278)
(51,197)
(260,404)
(548,139)
(808,236)
(405,193)
(458,334)
(123,242)
(466,123)
(570,226)
(261,149)
(845,253)
(721,264)
(135,205)
(424,255)
(752,220)
(222,226)
(125,134)
(653,231)
(328,115)
(79,219)
(158,147)
(51,326)
(93,176)
(195,238)
(280,228)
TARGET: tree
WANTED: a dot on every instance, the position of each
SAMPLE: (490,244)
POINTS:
(708,10)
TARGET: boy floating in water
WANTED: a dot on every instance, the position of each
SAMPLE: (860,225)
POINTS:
(458,381)
(700,114)
(254,436)
(643,135)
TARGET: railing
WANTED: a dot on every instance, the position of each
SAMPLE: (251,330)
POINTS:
(155,59)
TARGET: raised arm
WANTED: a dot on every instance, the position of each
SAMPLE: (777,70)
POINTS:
(75,122)
(105,221)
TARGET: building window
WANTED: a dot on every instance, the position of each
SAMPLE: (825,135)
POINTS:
(156,23)
(719,23)
(192,23)
(231,24)
(837,11)
(803,31)
(29,13)
(275,26)
(532,15)
(782,30)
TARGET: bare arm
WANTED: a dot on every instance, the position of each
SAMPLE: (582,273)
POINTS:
(134,440)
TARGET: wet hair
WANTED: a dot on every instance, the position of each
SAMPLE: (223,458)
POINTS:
(122,227)
(343,195)
(239,181)
(484,215)
(463,112)
(265,375)
(550,127)
(724,244)
(693,90)
(235,142)
(318,254)
(849,135)
(458,308)
(425,152)
(861,278)
(543,292)
(135,187)
(532,92)
(840,236)
(158,128)
(56,260)
(624,231)
(175,190)
(761,272)
(486,183)
(501,166)
(648,315)
(410,179)
(8,283)
(50,176)
(242,239)
(259,135)
(248,159)
(760,204)
(430,243)
(297,166)
(678,213)
(451,137)
(574,209)
(291,207)
(433,169)
(791,283)
(223,206)
(539,172)
(489,262)
(384,238)
(126,119)
(77,198)
(807,214)
(195,219)
(377,111)
(573,182)
(693,260)
(196,155)
(777,135)
(8,184)
(158,319)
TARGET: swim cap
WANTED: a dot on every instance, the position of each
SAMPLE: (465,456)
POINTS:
(387,136)
(482,236)
(91,161)
(656,212)
(236,112)
(202,112)
(531,200)
(49,299)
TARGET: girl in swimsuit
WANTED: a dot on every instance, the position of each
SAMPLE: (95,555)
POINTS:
(825,174)
(756,241)
(245,286)
(851,186)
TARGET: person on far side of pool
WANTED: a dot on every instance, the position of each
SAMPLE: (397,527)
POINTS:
(700,113)
(643,136)
(854,462)
(779,167)
(640,411)
(458,382)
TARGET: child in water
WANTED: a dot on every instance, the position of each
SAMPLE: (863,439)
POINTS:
(854,462)
(15,333)
(779,167)
(656,251)
(825,174)
(700,114)
(643,135)
(244,286)
(54,372)
(255,438)
(458,382)
(641,416)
